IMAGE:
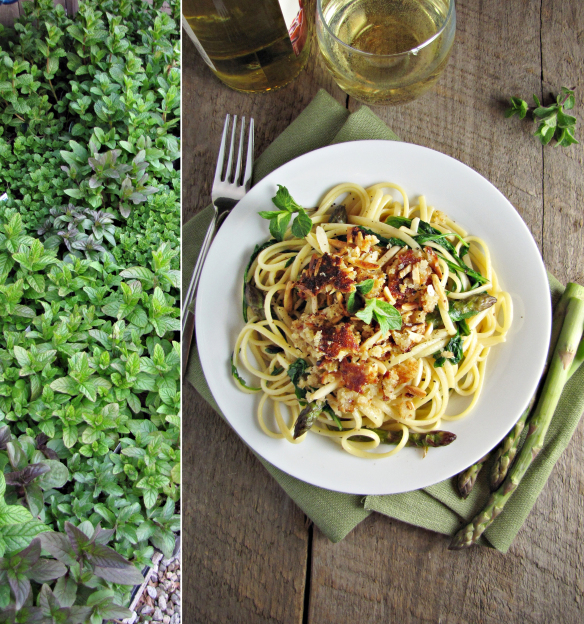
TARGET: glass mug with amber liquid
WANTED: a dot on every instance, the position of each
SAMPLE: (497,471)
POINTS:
(385,51)
(250,45)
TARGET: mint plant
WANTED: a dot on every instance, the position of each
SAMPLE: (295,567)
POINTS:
(89,316)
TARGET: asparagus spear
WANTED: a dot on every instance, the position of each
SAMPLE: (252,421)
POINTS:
(338,214)
(307,418)
(419,440)
(507,449)
(463,308)
(466,478)
(568,342)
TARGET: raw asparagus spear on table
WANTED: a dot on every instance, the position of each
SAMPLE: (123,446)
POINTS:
(467,478)
(507,449)
(559,372)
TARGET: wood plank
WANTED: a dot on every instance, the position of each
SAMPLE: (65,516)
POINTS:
(245,544)
(563,55)
(72,7)
(9,13)
(386,571)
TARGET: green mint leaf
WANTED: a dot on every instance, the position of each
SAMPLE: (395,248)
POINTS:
(564,120)
(284,201)
(301,225)
(565,137)
(279,225)
(353,303)
(546,112)
(366,286)
(518,107)
(383,322)
(463,328)
(570,101)
(269,214)
(366,314)
(387,311)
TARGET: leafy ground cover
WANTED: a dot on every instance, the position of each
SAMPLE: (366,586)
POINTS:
(89,288)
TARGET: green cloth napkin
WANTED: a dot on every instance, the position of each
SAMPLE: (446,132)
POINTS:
(437,508)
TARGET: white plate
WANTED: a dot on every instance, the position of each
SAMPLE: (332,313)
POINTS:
(513,369)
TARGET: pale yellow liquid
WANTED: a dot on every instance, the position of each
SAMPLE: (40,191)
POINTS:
(386,30)
(248,43)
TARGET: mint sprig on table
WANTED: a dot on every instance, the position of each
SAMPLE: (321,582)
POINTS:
(385,314)
(280,219)
(552,121)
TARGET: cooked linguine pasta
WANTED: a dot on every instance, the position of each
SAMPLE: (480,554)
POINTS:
(362,331)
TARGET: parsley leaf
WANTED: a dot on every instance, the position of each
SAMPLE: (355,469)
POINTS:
(385,314)
(280,219)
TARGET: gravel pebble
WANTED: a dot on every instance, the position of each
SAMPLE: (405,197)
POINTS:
(160,602)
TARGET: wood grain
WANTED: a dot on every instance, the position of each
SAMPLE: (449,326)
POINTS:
(387,571)
(9,13)
(245,544)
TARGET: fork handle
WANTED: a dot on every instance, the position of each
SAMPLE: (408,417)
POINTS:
(192,289)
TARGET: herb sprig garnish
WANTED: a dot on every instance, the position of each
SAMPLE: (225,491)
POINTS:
(385,314)
(354,302)
(280,219)
(552,121)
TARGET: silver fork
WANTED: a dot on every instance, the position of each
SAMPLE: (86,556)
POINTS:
(227,190)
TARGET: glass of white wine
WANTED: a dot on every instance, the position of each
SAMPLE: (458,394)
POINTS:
(385,51)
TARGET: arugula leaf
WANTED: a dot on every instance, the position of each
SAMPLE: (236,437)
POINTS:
(329,410)
(463,328)
(463,268)
(398,222)
(455,347)
(388,242)
(385,314)
(296,371)
(240,380)
(280,219)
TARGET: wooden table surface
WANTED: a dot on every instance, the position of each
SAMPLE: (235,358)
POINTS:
(250,555)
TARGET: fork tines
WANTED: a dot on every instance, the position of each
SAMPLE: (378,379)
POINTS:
(227,175)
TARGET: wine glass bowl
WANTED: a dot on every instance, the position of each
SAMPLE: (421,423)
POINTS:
(385,51)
